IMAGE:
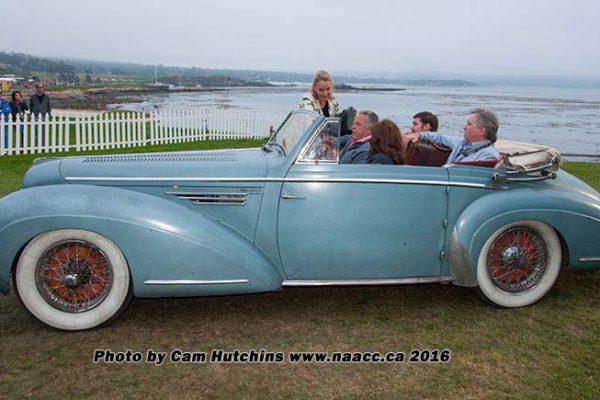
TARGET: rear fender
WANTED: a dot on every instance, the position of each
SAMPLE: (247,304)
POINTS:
(577,221)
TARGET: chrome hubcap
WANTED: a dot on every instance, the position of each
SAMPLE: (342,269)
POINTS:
(515,257)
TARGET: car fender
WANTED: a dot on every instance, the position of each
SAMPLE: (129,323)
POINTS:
(575,216)
(180,251)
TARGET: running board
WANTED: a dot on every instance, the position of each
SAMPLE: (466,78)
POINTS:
(367,282)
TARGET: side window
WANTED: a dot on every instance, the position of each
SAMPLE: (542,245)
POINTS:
(324,145)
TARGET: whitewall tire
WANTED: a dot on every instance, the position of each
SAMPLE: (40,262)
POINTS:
(519,264)
(72,279)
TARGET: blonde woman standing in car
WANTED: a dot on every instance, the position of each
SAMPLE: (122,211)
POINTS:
(321,98)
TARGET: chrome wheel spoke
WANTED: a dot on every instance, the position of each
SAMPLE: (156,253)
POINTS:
(517,259)
(74,276)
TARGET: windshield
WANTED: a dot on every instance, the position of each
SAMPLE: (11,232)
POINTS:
(292,130)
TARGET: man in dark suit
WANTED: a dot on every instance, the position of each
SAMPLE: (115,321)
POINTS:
(355,148)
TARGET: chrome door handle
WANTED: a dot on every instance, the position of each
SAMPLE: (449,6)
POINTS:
(290,197)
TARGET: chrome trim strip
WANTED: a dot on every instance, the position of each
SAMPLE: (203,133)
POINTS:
(500,177)
(194,282)
(200,194)
(330,162)
(296,180)
(162,179)
(366,282)
(234,199)
(228,199)
(219,203)
(286,196)
(589,259)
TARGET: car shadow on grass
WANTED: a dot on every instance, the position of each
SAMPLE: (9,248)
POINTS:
(315,306)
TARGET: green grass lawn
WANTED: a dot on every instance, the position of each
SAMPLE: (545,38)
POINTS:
(547,351)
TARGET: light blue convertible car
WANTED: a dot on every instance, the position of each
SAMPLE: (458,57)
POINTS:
(86,234)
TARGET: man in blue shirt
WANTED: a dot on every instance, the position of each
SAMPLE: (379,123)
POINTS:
(355,148)
(478,142)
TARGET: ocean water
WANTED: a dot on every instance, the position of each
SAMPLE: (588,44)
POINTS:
(567,119)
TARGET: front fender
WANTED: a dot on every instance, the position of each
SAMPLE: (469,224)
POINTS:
(574,216)
(161,240)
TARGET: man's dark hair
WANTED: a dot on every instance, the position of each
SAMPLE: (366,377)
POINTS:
(428,118)
(487,119)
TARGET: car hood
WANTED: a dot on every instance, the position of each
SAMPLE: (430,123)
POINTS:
(151,168)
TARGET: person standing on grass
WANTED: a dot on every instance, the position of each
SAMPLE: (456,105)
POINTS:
(19,108)
(5,111)
(40,104)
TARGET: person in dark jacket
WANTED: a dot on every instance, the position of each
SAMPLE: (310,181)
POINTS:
(40,102)
(40,105)
(4,113)
(386,144)
(18,106)
(4,108)
(355,148)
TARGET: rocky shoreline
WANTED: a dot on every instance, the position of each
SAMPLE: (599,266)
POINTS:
(98,99)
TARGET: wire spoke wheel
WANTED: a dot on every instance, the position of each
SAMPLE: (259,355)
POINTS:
(518,264)
(73,279)
(74,276)
(517,259)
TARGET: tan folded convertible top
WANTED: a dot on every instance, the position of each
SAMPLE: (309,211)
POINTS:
(525,156)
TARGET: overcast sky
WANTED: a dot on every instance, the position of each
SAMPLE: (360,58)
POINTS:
(488,37)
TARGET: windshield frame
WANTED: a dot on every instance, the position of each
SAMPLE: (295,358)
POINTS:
(274,143)
(312,137)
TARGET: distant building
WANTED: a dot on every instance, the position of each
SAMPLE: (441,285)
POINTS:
(8,81)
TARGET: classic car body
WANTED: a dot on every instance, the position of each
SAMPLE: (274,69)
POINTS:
(85,234)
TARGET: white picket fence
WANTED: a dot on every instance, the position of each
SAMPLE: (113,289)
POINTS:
(50,134)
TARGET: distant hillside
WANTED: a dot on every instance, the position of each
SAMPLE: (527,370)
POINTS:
(28,66)
(23,63)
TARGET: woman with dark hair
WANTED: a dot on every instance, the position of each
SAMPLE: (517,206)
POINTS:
(18,105)
(385,144)
(320,98)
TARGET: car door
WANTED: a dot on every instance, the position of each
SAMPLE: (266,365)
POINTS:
(368,221)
